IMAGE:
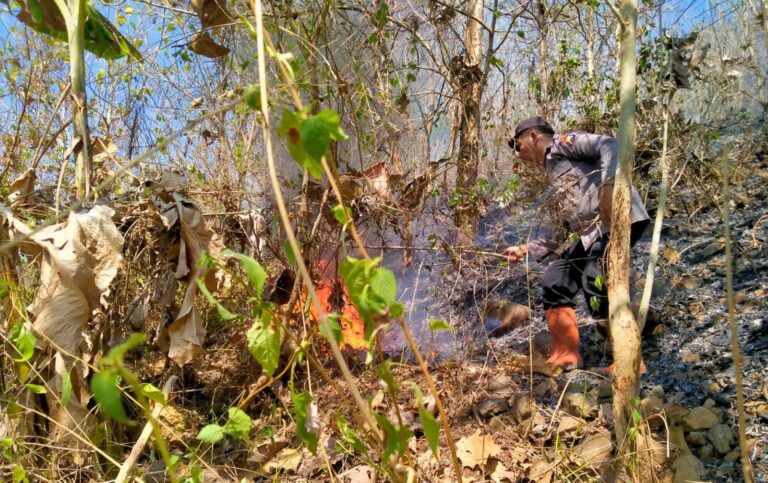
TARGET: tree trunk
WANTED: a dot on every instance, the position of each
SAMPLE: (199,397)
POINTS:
(624,331)
(469,79)
(76,33)
(544,106)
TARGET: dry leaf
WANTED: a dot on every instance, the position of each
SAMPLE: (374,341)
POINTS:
(212,13)
(169,182)
(359,474)
(671,255)
(21,189)
(476,449)
(186,334)
(102,149)
(499,474)
(204,45)
(288,459)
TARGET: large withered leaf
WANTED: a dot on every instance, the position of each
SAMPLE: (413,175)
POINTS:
(101,37)
(186,334)
(204,45)
(22,189)
(212,13)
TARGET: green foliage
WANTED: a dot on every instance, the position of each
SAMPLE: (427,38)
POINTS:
(36,388)
(594,303)
(256,273)
(264,341)
(348,435)
(372,289)
(600,282)
(238,426)
(396,436)
(380,17)
(224,313)
(153,393)
(19,474)
(107,393)
(335,325)
(301,405)
(289,252)
(342,214)
(428,423)
(438,324)
(308,137)
(24,341)
(66,388)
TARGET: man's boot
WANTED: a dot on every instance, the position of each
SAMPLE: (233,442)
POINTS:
(564,333)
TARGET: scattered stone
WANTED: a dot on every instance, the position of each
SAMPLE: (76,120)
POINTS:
(651,405)
(546,386)
(606,413)
(690,282)
(707,452)
(691,358)
(699,438)
(709,404)
(492,406)
(734,455)
(721,437)
(501,386)
(595,450)
(658,392)
(604,390)
(580,405)
(713,387)
(711,249)
(688,468)
(700,418)
(522,408)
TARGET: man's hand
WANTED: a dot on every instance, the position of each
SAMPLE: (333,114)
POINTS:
(605,204)
(515,254)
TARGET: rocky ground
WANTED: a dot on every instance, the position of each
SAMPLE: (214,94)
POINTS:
(512,419)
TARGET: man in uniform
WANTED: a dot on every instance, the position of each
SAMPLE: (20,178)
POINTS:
(581,168)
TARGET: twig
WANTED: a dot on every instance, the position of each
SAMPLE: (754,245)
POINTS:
(645,301)
(130,461)
(736,351)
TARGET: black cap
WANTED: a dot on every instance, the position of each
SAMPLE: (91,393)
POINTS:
(530,123)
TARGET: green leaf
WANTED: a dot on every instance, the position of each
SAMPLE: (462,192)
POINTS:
(289,252)
(636,417)
(224,313)
(333,322)
(301,402)
(385,373)
(5,288)
(107,394)
(152,393)
(19,474)
(290,129)
(594,303)
(238,424)
(384,285)
(342,214)
(36,388)
(349,435)
(8,448)
(253,269)
(428,423)
(438,324)
(331,120)
(66,388)
(315,137)
(212,433)
(396,436)
(632,432)
(264,343)
(253,97)
(25,344)
(118,352)
(599,282)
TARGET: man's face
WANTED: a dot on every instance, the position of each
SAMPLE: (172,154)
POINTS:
(525,144)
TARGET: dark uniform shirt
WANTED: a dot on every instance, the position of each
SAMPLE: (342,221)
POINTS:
(578,164)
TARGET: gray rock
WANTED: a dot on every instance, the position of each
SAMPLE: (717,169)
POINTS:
(700,418)
(522,407)
(596,449)
(581,405)
(699,438)
(492,406)
(501,386)
(707,452)
(721,437)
